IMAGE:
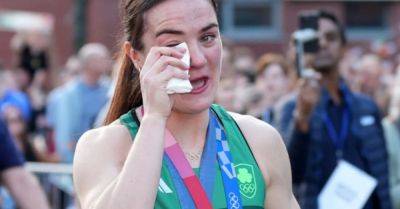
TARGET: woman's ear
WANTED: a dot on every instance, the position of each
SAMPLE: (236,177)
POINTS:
(133,54)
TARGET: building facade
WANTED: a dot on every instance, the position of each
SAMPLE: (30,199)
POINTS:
(263,25)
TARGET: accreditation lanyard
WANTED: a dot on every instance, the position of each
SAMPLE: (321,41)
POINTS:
(338,139)
(188,183)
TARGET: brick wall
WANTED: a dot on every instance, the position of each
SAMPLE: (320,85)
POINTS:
(62,11)
(103,23)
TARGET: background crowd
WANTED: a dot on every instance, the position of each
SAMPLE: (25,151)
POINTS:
(47,112)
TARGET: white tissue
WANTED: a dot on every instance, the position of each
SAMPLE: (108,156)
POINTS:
(176,85)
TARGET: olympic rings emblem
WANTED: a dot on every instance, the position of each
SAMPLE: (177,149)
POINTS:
(247,188)
(233,201)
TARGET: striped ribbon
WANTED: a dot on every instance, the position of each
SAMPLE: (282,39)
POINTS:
(184,169)
(191,181)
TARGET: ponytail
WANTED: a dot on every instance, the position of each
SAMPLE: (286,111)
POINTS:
(127,93)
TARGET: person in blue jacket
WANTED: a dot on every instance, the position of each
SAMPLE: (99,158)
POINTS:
(327,122)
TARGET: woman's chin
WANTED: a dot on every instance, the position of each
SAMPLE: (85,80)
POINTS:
(191,106)
(194,103)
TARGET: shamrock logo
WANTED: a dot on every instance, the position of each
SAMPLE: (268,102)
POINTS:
(246,179)
(244,176)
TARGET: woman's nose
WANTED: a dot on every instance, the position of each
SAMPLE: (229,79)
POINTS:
(197,56)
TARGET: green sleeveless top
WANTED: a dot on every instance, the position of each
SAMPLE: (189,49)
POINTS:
(250,179)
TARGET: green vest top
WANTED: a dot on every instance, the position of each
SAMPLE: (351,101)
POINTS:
(250,179)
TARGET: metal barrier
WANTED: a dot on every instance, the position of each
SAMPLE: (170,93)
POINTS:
(58,168)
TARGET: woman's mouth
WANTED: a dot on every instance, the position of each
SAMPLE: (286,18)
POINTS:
(199,85)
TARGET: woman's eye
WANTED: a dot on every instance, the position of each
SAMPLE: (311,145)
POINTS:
(208,38)
(173,44)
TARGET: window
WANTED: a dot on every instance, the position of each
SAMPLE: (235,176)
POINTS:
(367,19)
(251,19)
(252,16)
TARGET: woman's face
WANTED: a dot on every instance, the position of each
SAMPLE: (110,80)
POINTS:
(194,22)
(274,80)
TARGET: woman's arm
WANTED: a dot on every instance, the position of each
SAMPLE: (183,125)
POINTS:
(271,155)
(110,172)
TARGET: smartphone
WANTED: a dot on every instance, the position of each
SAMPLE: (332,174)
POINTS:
(309,20)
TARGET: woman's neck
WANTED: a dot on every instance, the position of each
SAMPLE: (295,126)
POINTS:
(190,130)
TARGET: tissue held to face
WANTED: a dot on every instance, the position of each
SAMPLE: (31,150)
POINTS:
(180,86)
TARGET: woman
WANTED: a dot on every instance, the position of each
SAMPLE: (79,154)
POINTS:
(32,146)
(273,80)
(110,171)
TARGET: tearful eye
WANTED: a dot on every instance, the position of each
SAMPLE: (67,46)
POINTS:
(173,45)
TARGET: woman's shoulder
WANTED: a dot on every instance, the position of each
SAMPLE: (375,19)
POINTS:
(265,143)
(105,139)
(107,132)
(257,131)
(99,156)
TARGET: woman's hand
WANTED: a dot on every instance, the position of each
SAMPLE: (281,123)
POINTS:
(161,64)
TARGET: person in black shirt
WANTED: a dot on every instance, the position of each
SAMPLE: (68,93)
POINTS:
(22,186)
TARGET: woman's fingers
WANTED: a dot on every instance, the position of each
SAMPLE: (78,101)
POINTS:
(171,72)
(156,53)
(165,61)
(163,77)
(162,63)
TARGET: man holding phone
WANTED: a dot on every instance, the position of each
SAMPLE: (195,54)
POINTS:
(327,123)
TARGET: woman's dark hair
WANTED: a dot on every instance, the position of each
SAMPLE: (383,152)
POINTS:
(127,93)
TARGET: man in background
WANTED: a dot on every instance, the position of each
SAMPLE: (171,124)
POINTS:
(81,99)
(327,123)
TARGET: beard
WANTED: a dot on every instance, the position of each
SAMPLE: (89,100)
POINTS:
(324,63)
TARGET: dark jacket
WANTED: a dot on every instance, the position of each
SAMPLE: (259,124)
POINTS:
(9,155)
(313,154)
